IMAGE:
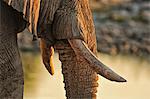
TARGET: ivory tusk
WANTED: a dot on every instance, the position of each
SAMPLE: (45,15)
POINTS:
(47,56)
(81,48)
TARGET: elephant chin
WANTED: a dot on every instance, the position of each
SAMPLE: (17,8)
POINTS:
(82,49)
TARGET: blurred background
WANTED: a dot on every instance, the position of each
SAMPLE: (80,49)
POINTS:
(123,38)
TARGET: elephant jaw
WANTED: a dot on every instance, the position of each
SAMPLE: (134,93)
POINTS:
(81,48)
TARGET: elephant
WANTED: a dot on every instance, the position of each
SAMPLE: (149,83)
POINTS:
(66,26)
(11,73)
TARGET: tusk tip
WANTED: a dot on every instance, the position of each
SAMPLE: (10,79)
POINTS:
(122,80)
(52,74)
(49,68)
(109,74)
(119,79)
(51,71)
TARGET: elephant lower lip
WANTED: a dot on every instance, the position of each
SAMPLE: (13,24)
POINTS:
(81,48)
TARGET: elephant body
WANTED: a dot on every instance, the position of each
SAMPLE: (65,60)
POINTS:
(67,26)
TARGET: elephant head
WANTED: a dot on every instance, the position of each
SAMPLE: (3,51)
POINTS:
(72,21)
(67,26)
(70,30)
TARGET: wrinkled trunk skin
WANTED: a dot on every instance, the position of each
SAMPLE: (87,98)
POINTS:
(79,79)
(11,74)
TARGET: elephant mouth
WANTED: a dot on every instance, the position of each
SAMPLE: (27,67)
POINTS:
(81,49)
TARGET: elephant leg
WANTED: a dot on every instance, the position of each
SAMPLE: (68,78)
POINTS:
(11,73)
(80,80)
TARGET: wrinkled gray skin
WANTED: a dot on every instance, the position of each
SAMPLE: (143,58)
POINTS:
(11,74)
(67,26)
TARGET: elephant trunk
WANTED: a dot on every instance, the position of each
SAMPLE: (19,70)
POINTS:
(79,78)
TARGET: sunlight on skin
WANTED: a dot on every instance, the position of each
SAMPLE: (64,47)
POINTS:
(40,84)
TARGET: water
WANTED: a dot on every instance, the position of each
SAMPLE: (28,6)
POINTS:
(40,85)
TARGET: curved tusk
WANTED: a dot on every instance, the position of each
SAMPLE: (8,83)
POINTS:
(81,48)
(47,56)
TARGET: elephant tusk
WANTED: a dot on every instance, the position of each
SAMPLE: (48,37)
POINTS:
(47,56)
(81,48)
